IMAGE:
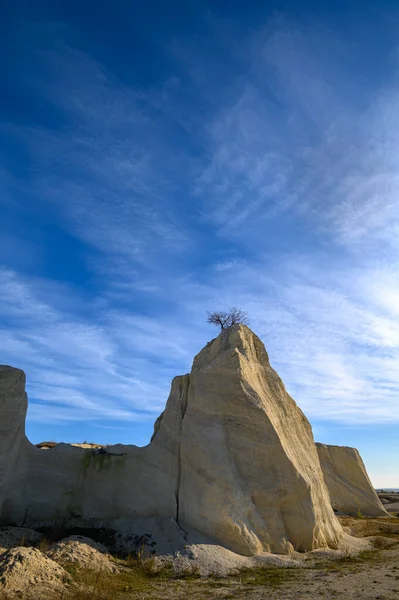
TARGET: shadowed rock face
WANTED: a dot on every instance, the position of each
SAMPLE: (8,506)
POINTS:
(232,456)
(350,488)
(13,442)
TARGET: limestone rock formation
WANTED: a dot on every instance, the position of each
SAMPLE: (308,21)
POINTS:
(71,484)
(232,457)
(13,442)
(350,488)
(250,475)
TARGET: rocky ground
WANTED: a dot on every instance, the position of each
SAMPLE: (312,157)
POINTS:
(33,566)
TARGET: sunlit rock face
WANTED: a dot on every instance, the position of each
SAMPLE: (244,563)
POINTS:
(232,456)
(350,488)
(250,474)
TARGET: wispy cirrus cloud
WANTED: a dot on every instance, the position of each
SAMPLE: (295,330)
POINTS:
(337,355)
(97,368)
(275,193)
(295,140)
(109,172)
(336,350)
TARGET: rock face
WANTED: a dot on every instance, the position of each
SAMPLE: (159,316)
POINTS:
(350,488)
(13,442)
(250,475)
(232,456)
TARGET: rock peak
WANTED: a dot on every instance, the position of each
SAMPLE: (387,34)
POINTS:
(236,341)
(11,376)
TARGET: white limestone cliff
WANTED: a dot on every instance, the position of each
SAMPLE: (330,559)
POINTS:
(348,483)
(232,457)
(250,474)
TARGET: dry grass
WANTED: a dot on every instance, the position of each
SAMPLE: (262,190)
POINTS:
(142,578)
(137,574)
(387,527)
(349,561)
(44,545)
(268,576)
(105,586)
(140,574)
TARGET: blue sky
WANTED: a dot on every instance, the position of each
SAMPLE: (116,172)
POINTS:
(162,159)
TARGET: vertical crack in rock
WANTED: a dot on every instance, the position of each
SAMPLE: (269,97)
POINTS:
(184,386)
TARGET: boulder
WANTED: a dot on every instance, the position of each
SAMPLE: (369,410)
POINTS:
(348,483)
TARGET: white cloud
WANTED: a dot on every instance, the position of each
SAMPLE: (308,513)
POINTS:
(91,368)
(338,356)
(282,155)
(229,264)
(292,142)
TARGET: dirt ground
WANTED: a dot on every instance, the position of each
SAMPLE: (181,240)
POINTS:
(370,575)
(368,579)
(373,575)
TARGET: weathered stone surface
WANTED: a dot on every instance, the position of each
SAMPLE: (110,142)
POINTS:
(350,488)
(13,442)
(232,457)
(76,485)
(250,474)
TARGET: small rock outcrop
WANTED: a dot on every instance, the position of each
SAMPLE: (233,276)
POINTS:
(232,457)
(350,488)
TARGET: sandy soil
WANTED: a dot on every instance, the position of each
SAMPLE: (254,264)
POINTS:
(26,572)
(83,551)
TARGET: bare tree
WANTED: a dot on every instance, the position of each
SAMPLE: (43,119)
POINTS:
(227,319)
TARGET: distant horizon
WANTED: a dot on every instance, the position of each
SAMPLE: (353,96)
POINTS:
(156,164)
